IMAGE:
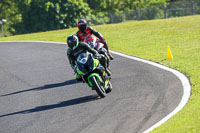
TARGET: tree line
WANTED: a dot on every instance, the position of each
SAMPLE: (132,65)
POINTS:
(28,16)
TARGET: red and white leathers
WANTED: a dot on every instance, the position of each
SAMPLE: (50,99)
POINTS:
(94,43)
(89,31)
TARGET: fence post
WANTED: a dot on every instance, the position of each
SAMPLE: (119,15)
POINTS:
(2,32)
(111,18)
(192,7)
(165,11)
(137,13)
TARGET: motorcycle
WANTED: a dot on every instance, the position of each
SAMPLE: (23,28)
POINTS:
(93,73)
(95,43)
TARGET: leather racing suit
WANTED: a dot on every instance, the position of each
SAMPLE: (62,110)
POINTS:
(89,31)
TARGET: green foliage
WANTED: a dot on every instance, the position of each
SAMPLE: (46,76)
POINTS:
(68,12)
(122,10)
(10,12)
(96,6)
(98,19)
(50,15)
(152,12)
(139,4)
(175,8)
(27,16)
(197,7)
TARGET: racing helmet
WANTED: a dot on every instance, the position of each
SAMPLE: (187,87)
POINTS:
(82,25)
(72,41)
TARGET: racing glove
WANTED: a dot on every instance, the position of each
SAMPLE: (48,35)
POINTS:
(97,56)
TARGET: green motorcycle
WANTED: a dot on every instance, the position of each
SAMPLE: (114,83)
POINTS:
(93,73)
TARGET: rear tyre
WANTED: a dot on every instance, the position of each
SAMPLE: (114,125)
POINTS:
(96,86)
(109,89)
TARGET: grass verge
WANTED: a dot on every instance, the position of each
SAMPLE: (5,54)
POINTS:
(149,40)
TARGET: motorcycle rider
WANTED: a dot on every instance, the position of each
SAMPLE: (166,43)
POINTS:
(75,48)
(85,30)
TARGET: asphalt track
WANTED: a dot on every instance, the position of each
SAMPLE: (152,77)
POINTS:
(38,93)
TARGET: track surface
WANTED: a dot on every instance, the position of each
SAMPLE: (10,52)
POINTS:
(38,93)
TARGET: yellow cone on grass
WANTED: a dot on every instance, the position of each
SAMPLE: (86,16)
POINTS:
(169,53)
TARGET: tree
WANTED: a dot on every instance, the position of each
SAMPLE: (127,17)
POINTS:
(46,15)
(139,5)
(10,12)
(67,12)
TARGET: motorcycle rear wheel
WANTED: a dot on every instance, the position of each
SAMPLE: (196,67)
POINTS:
(109,89)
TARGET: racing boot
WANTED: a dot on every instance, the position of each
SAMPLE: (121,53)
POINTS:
(104,63)
(111,57)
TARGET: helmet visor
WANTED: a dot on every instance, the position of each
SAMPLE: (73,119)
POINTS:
(82,27)
(71,44)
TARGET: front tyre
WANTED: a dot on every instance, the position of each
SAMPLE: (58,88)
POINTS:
(96,86)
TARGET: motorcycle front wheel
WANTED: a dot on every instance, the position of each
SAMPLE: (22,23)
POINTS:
(98,87)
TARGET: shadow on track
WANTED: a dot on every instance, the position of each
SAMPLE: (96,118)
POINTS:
(58,105)
(49,86)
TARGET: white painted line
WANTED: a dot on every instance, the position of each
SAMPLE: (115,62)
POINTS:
(36,42)
(185,82)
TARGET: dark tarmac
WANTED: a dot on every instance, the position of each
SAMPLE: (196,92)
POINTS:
(38,93)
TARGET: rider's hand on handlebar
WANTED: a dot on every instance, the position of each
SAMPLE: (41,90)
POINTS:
(103,41)
(97,56)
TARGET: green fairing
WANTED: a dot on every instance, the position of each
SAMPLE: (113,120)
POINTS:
(104,73)
(79,72)
(106,83)
(96,63)
(96,75)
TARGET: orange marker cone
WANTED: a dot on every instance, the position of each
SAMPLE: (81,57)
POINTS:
(169,53)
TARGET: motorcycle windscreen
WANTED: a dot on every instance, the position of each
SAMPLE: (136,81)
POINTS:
(85,63)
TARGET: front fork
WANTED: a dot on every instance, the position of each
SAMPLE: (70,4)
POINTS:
(95,75)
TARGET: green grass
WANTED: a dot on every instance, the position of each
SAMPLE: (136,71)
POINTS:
(149,40)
